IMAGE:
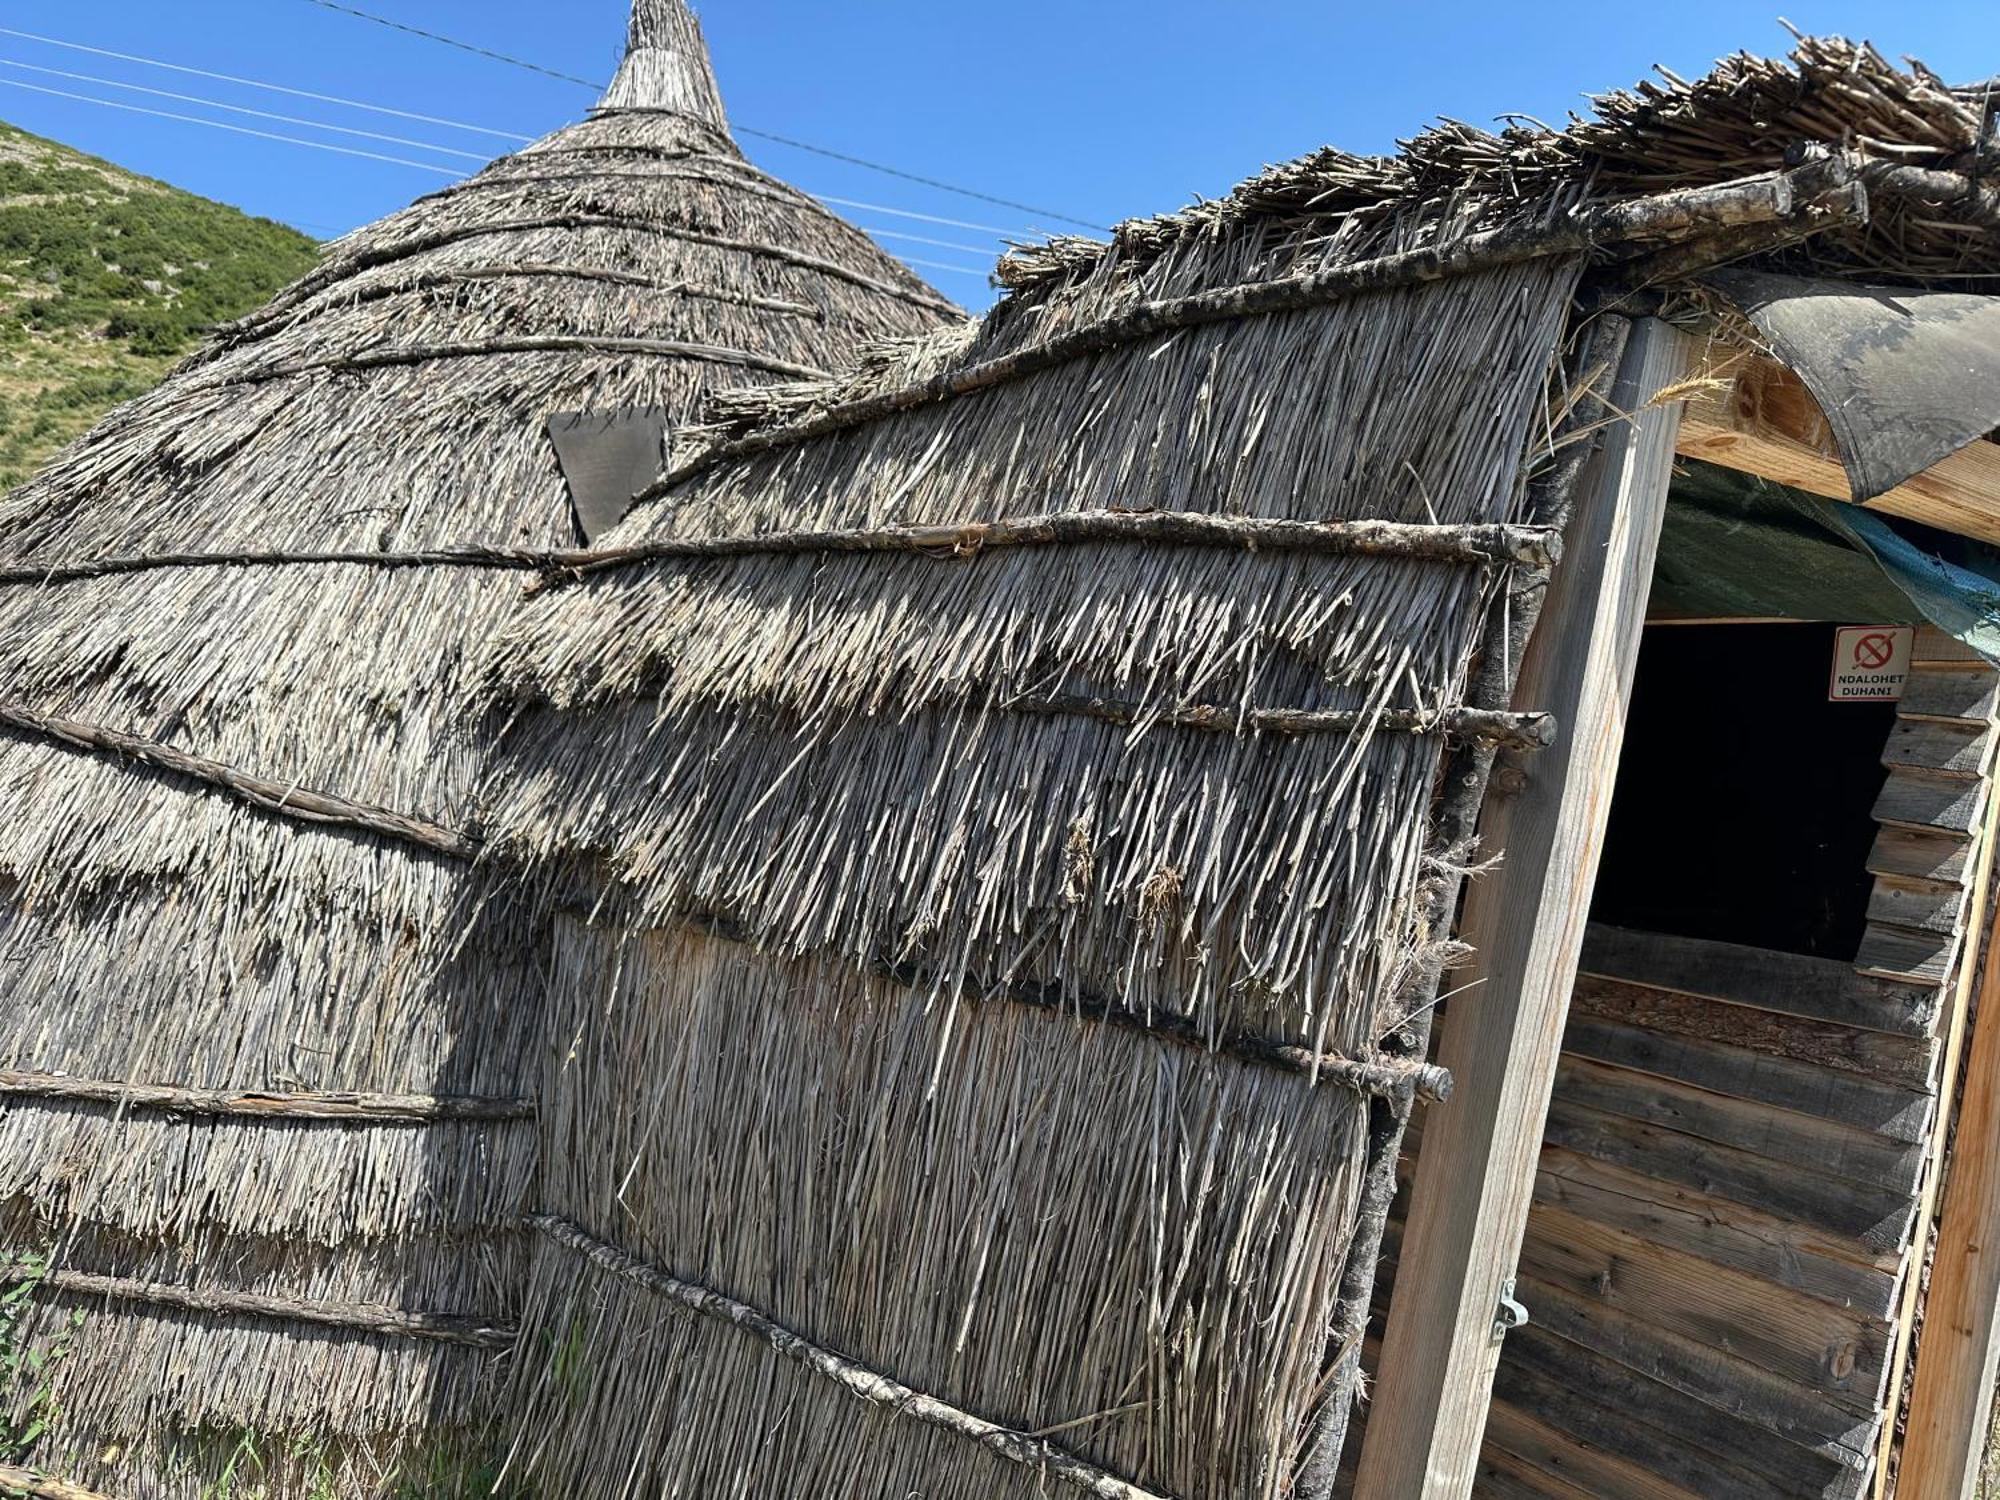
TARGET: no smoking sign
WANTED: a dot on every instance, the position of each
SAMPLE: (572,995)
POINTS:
(1870,662)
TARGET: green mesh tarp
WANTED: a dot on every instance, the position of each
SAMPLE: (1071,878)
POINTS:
(1735,546)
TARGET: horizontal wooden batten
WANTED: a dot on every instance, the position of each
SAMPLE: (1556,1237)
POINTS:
(348,1108)
(1876,1217)
(1919,905)
(1949,690)
(1540,1449)
(1817,988)
(1944,747)
(1891,1111)
(1714,1229)
(1833,1351)
(1925,799)
(1780,1135)
(1505,1476)
(1921,854)
(351,1317)
(1800,1414)
(1676,1437)
(1906,954)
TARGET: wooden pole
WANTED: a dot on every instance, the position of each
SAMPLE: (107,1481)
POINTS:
(1525,922)
(16,1480)
(1959,1352)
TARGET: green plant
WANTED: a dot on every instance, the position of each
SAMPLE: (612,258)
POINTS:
(28,1407)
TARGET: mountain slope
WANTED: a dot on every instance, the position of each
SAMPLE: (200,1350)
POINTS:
(105,278)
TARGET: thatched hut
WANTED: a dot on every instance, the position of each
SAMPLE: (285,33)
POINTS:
(265,1135)
(1017,796)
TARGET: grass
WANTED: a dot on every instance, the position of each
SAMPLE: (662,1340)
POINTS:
(105,279)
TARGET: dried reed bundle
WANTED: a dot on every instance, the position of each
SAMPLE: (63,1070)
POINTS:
(157,931)
(1040,1221)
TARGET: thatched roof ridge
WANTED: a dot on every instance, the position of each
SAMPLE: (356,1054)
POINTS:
(666,66)
(1748,114)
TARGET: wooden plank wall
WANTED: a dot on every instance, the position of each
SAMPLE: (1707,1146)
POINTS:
(1736,1153)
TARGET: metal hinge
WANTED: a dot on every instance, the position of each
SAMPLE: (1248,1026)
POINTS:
(1510,1314)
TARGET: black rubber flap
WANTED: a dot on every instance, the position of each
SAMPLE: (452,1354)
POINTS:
(1905,377)
(608,457)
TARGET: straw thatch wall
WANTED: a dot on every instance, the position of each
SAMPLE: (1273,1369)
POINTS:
(156,931)
(938,805)
(1010,796)
(867,1106)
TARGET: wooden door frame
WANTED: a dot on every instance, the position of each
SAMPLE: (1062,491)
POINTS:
(1525,922)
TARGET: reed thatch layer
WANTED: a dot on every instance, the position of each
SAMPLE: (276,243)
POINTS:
(157,931)
(889,1175)
(819,748)
(154,1175)
(637,1396)
(823,751)
(169,1338)
(1749,114)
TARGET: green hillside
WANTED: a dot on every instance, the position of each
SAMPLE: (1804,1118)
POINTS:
(105,278)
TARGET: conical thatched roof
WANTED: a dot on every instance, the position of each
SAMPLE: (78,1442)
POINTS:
(1036,770)
(196,761)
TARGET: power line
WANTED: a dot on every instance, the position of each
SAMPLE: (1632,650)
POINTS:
(930,182)
(904,213)
(239,109)
(741,129)
(938,265)
(290,140)
(276,88)
(920,239)
(432,36)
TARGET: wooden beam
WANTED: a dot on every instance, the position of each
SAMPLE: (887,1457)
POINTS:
(1525,922)
(1964,966)
(1959,1352)
(1766,423)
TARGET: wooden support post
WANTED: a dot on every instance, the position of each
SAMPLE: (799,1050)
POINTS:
(1959,1352)
(1525,921)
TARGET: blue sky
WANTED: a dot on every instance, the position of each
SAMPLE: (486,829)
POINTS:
(1097,109)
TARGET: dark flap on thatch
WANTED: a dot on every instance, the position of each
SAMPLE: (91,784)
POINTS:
(608,457)
(1905,377)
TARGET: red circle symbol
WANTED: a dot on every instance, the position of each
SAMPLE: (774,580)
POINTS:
(1873,651)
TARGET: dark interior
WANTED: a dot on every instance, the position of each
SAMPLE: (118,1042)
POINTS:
(1742,810)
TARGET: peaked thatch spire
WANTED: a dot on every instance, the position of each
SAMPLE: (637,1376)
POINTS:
(666,66)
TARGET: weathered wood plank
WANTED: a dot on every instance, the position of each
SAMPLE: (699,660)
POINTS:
(1874,1218)
(1962,691)
(1705,1447)
(1941,747)
(1923,799)
(1714,1229)
(1544,1450)
(1900,1113)
(1524,923)
(1502,1476)
(1906,955)
(1820,988)
(1920,853)
(1699,1370)
(1958,1355)
(1932,644)
(1617,1429)
(1954,1027)
(1782,1135)
(1917,905)
(1811,1343)
(1766,423)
